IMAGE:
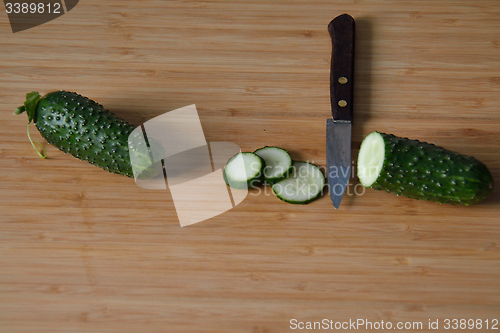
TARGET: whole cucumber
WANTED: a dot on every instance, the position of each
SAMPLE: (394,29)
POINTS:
(421,170)
(83,128)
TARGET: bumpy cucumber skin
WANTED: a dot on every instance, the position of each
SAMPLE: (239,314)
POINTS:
(257,180)
(271,181)
(83,128)
(422,170)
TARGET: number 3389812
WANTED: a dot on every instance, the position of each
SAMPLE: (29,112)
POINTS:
(32,8)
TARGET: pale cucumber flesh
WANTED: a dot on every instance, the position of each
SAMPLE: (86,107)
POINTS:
(304,184)
(242,169)
(371,159)
(278,163)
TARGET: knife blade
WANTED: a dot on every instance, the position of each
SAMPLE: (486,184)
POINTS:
(338,128)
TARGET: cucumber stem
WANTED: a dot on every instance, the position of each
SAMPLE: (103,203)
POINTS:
(20,109)
(29,106)
(43,154)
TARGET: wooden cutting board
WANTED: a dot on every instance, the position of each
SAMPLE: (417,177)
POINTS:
(82,250)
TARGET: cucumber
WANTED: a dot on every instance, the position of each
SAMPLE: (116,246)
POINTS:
(304,184)
(421,170)
(83,128)
(244,170)
(278,163)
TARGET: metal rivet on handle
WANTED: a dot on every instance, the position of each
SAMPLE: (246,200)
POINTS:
(342,80)
(342,103)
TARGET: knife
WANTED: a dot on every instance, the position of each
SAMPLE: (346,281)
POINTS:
(338,128)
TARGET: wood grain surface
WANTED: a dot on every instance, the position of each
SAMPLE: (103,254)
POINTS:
(82,250)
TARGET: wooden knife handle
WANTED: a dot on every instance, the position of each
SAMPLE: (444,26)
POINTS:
(341,31)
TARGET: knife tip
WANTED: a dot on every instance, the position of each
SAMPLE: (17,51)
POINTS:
(336,203)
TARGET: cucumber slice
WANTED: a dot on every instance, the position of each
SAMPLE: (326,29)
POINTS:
(303,185)
(244,170)
(421,170)
(278,163)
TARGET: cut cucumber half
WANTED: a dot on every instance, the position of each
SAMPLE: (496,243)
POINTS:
(244,170)
(371,158)
(304,184)
(278,163)
(421,170)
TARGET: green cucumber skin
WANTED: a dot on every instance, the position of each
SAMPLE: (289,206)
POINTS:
(269,181)
(421,170)
(293,202)
(83,128)
(298,202)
